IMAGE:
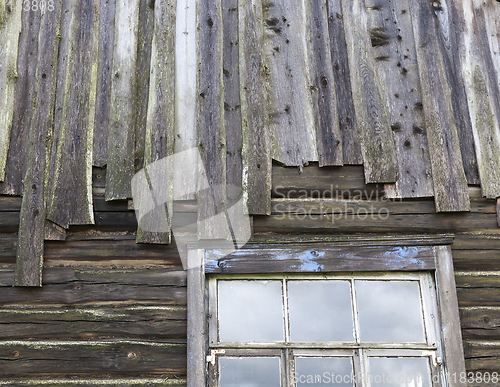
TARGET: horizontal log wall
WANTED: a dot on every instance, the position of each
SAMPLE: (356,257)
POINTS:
(101,288)
(103,326)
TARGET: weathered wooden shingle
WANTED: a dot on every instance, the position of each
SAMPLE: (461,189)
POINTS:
(450,43)
(160,125)
(31,228)
(10,28)
(450,183)
(106,44)
(328,135)
(286,56)
(70,185)
(393,48)
(121,121)
(232,99)
(351,147)
(480,58)
(24,92)
(257,167)
(372,118)
(212,199)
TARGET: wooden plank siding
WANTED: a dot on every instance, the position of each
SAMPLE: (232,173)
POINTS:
(478,58)
(377,145)
(450,183)
(276,97)
(70,184)
(33,210)
(160,121)
(10,29)
(121,121)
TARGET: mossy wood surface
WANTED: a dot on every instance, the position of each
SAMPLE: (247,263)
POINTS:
(33,211)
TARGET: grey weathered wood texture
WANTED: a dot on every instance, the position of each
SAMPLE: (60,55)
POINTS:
(256,151)
(10,29)
(478,66)
(92,357)
(294,259)
(18,149)
(451,41)
(449,314)
(70,192)
(377,145)
(121,120)
(160,122)
(450,183)
(145,34)
(106,43)
(324,98)
(393,46)
(232,99)
(286,56)
(212,197)
(197,321)
(32,218)
(345,108)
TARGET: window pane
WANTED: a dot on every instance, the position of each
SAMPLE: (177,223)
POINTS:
(400,372)
(320,311)
(249,372)
(250,311)
(390,311)
(323,371)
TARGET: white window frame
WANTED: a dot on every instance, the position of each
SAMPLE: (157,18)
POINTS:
(430,253)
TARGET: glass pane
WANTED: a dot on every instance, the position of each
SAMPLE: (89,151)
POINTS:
(249,372)
(390,311)
(320,311)
(400,372)
(324,371)
(250,311)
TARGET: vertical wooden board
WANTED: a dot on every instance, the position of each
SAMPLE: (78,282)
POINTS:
(23,103)
(29,259)
(121,123)
(449,315)
(70,194)
(10,28)
(450,183)
(106,44)
(257,158)
(393,47)
(351,147)
(286,54)
(212,201)
(196,319)
(328,135)
(232,101)
(186,70)
(160,124)
(448,25)
(144,47)
(481,84)
(377,145)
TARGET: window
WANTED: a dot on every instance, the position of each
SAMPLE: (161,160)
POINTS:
(363,313)
(345,329)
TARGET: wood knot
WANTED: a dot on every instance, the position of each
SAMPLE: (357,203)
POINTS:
(407,144)
(210,22)
(15,354)
(324,81)
(485,318)
(132,355)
